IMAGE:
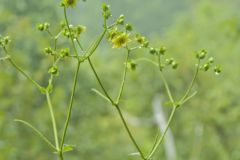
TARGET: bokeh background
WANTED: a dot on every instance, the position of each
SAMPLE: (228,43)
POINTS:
(205,128)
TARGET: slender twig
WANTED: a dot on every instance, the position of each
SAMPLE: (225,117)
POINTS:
(38,132)
(70,107)
(119,111)
(129,132)
(55,133)
(191,84)
(99,81)
(147,60)
(107,96)
(70,32)
(123,79)
(164,133)
(100,94)
(159,141)
(14,64)
(95,45)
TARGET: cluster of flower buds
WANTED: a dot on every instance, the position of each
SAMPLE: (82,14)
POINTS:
(106,11)
(75,31)
(209,62)
(4,41)
(43,26)
(171,62)
(49,51)
(65,52)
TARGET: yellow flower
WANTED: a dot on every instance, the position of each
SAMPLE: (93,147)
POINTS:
(70,3)
(120,40)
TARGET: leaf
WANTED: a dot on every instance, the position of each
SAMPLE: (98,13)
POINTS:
(100,94)
(68,147)
(134,154)
(44,138)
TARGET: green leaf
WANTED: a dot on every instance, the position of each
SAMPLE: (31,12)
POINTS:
(68,147)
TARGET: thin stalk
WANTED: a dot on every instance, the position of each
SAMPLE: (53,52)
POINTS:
(191,84)
(155,146)
(123,79)
(105,91)
(38,132)
(95,46)
(147,60)
(129,132)
(70,107)
(14,64)
(119,112)
(165,81)
(99,81)
(164,133)
(50,34)
(70,32)
(53,120)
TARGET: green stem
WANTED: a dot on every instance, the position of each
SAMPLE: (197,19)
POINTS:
(88,55)
(147,60)
(70,106)
(155,146)
(70,32)
(164,133)
(119,111)
(99,81)
(38,132)
(53,120)
(167,88)
(165,81)
(91,50)
(14,64)
(129,132)
(123,79)
(191,84)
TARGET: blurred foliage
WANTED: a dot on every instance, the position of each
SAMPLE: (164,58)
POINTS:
(205,128)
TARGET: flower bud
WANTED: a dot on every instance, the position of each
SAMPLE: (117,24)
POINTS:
(69,3)
(169,61)
(211,60)
(53,70)
(107,14)
(46,26)
(48,51)
(140,39)
(174,65)
(80,29)
(162,50)
(217,70)
(206,67)
(128,27)
(105,7)
(65,52)
(152,50)
(6,40)
(120,20)
(201,55)
(40,27)
(132,65)
(145,44)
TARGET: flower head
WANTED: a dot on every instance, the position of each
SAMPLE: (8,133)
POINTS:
(69,3)
(120,40)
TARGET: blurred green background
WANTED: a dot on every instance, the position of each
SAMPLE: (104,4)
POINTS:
(206,128)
